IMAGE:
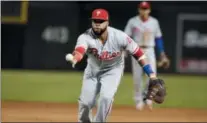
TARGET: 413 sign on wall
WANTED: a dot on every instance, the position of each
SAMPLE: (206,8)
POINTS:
(191,49)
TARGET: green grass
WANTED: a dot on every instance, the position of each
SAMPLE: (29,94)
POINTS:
(183,91)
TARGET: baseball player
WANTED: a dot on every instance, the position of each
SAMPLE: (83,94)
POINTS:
(145,30)
(104,47)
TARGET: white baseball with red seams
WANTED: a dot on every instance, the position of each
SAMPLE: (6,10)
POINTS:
(105,65)
(69,57)
(144,34)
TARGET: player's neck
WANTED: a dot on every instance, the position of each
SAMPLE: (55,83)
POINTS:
(144,18)
(103,37)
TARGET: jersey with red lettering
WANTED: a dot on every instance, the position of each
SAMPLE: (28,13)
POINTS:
(110,54)
(143,32)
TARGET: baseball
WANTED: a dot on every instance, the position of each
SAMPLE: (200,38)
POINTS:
(69,57)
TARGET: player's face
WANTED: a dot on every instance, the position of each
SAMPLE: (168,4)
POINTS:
(144,12)
(99,26)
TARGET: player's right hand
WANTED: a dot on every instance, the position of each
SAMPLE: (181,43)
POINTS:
(164,61)
(70,58)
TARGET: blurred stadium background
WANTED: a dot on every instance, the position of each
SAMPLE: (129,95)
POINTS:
(35,36)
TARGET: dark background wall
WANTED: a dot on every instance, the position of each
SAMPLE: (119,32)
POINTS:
(53,27)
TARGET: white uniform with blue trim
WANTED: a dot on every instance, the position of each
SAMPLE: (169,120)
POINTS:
(143,33)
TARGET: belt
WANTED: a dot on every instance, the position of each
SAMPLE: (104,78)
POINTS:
(146,46)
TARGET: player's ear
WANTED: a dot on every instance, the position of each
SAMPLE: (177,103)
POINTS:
(150,11)
(108,22)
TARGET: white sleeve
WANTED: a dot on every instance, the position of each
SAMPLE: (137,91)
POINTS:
(129,44)
(158,32)
(128,28)
(82,42)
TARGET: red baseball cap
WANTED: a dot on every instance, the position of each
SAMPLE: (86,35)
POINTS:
(101,14)
(144,4)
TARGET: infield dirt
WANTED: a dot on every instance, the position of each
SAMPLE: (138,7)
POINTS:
(63,112)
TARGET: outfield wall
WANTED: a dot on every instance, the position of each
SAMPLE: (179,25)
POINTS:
(52,29)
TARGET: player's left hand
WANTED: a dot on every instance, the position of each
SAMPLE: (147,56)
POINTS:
(164,61)
(156,90)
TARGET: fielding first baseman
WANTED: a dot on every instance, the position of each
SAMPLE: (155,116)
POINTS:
(104,47)
(145,30)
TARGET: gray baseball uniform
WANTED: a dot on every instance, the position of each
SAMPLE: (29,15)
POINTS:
(143,33)
(105,65)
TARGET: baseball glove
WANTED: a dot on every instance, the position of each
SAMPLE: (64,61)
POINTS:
(156,91)
(163,61)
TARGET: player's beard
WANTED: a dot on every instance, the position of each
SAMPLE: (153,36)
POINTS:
(144,16)
(99,33)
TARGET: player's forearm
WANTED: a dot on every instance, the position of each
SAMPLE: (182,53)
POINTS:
(159,45)
(147,67)
(142,60)
(78,54)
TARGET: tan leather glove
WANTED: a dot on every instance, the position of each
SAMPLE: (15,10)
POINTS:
(163,61)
